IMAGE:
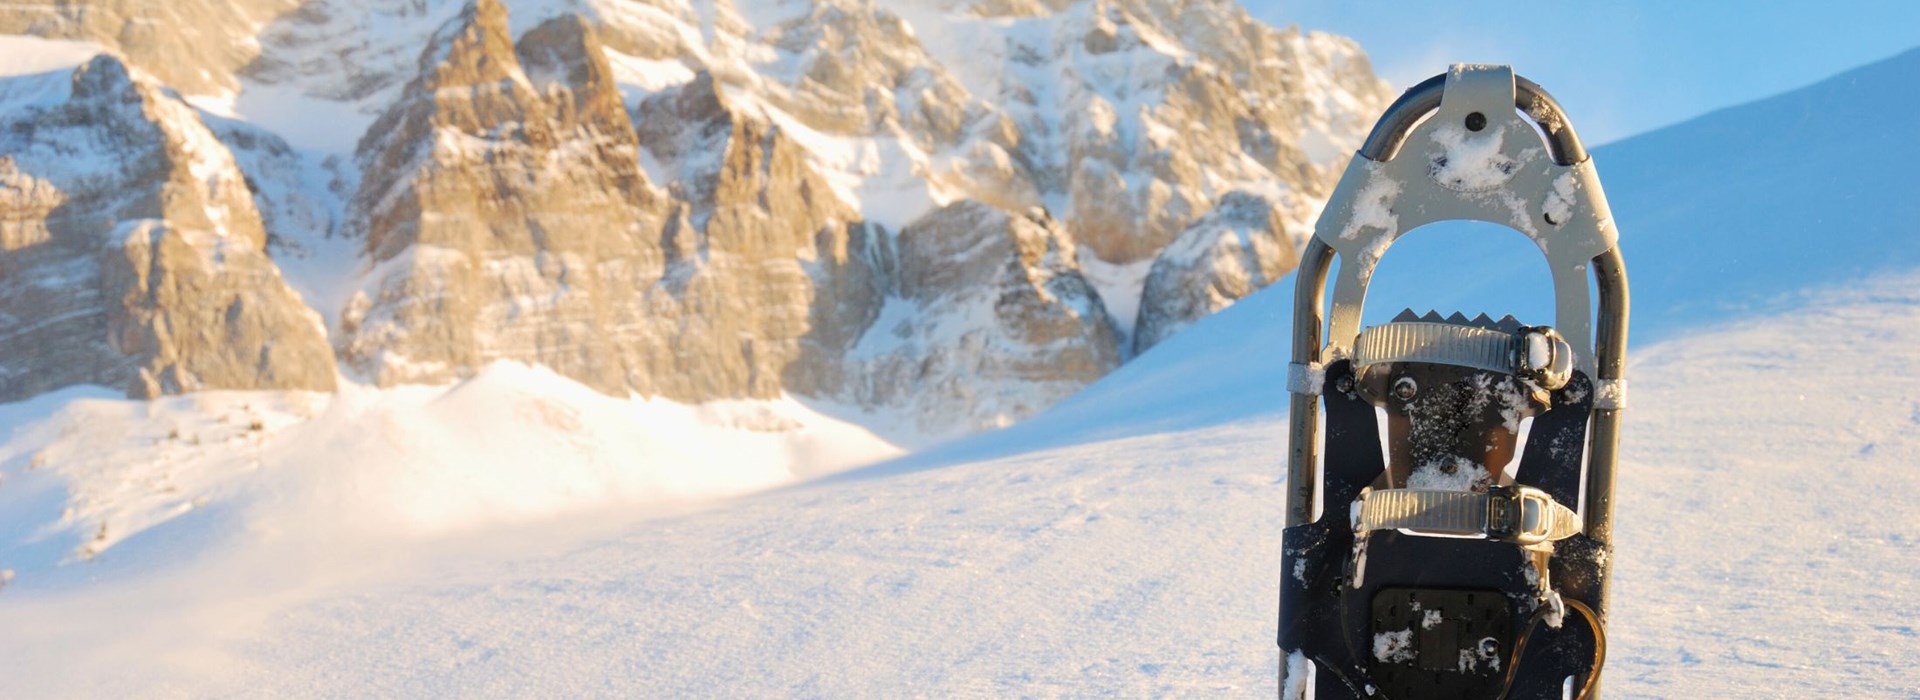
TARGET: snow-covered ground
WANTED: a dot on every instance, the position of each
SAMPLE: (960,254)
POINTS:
(520,535)
(1766,532)
(85,471)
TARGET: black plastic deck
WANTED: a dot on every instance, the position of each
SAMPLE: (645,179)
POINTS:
(1329,617)
(1430,642)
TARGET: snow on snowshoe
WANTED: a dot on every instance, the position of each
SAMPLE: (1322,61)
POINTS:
(1450,482)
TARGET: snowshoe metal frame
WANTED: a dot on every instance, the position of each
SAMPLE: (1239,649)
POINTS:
(1474,157)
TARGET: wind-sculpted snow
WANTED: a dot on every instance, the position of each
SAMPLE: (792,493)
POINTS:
(88,472)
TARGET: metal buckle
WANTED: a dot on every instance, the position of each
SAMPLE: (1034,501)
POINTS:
(1542,356)
(1522,515)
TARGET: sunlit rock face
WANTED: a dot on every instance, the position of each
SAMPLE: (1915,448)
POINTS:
(504,214)
(131,254)
(969,309)
(1240,246)
(956,211)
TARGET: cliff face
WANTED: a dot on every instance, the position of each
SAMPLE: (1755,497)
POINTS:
(498,214)
(1176,104)
(131,253)
(970,316)
(957,211)
(1238,248)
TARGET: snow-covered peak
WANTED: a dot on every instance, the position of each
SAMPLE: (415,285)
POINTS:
(707,199)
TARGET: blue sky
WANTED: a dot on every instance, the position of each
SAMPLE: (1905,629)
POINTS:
(1620,68)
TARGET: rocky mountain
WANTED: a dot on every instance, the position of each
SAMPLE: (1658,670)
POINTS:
(1238,247)
(131,253)
(967,309)
(956,212)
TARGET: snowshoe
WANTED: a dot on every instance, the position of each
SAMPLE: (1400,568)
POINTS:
(1449,500)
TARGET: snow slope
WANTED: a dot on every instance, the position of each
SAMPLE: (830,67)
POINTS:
(1759,555)
(85,471)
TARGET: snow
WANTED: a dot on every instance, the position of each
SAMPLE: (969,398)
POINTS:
(300,196)
(316,125)
(326,72)
(881,177)
(1120,285)
(771,13)
(1393,647)
(38,72)
(1455,474)
(1777,463)
(1299,677)
(511,444)
(1310,378)
(1610,393)
(639,77)
(1559,206)
(972,49)
(1472,162)
(1138,565)
(29,55)
(1539,351)
(1373,205)
(1122,544)
(890,329)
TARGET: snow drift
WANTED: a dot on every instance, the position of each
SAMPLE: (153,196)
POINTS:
(85,472)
